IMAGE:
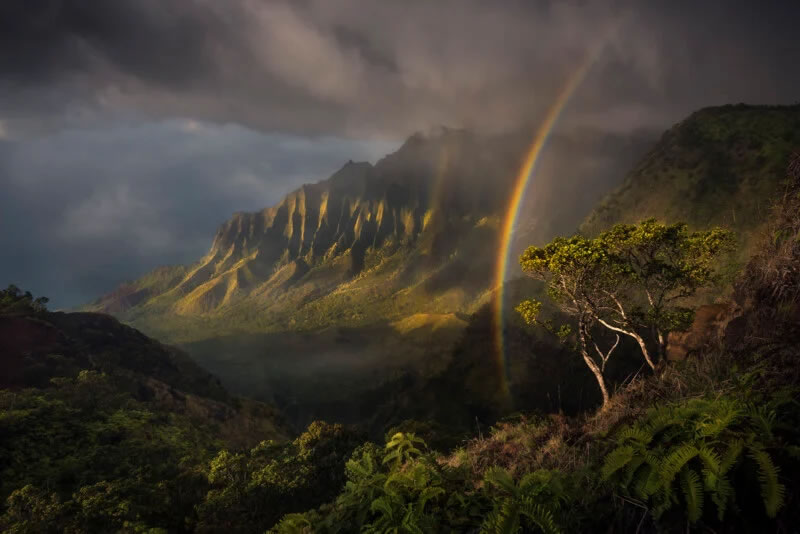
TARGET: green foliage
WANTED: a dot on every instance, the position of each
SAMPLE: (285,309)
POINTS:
(631,277)
(681,455)
(396,489)
(662,265)
(14,302)
(251,491)
(414,493)
(402,447)
(633,280)
(81,456)
(531,502)
(721,166)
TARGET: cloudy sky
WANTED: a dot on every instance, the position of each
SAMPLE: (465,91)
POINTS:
(129,129)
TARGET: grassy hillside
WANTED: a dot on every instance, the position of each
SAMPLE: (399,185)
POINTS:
(720,166)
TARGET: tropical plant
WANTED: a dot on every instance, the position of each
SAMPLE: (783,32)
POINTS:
(402,507)
(402,447)
(629,280)
(661,266)
(531,502)
(682,454)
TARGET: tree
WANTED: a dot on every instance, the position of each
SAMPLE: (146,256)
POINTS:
(13,301)
(633,280)
(662,266)
(576,273)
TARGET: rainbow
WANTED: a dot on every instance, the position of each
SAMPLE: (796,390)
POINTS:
(512,213)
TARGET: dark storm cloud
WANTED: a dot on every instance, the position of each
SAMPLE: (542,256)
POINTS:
(357,67)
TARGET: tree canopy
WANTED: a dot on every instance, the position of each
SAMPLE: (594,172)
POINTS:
(634,280)
(14,301)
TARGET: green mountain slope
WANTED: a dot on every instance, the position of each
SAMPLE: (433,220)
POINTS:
(720,166)
(103,429)
(40,349)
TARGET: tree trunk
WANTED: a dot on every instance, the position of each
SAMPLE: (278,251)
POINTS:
(598,374)
(591,364)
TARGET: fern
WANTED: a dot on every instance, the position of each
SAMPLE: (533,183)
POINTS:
(500,478)
(689,450)
(403,447)
(616,460)
(692,493)
(638,435)
(711,465)
(731,456)
(675,461)
(772,491)
(539,516)
(533,499)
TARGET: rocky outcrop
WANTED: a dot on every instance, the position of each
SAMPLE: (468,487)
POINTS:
(709,329)
(421,194)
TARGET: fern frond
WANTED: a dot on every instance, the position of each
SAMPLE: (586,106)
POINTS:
(630,470)
(721,414)
(647,482)
(616,460)
(426,495)
(501,521)
(731,456)
(393,456)
(772,491)
(382,505)
(764,419)
(692,493)
(539,516)
(641,436)
(499,477)
(410,522)
(722,495)
(711,462)
(675,461)
(659,420)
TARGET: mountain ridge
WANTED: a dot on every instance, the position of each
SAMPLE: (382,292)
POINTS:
(721,165)
(329,233)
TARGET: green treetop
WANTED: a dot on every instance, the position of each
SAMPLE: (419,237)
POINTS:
(633,280)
